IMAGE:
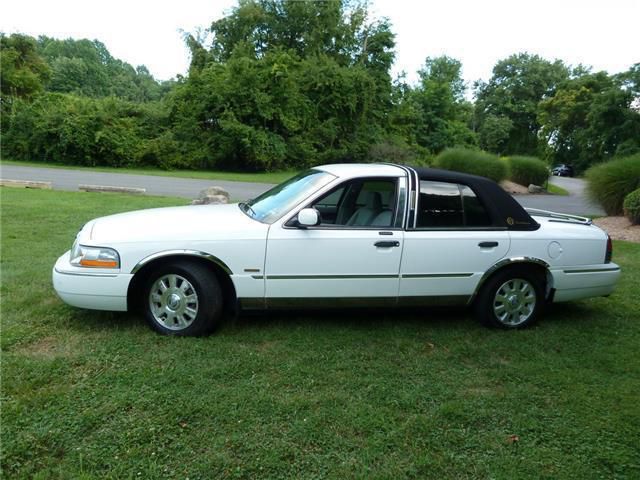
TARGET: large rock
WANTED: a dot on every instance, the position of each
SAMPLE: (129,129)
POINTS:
(211,195)
(535,188)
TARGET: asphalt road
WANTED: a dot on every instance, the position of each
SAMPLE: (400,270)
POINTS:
(68,179)
(576,202)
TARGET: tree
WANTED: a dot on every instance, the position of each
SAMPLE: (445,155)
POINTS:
(518,84)
(444,114)
(589,119)
(493,134)
(286,83)
(85,67)
(22,71)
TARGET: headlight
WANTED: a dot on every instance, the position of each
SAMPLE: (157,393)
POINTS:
(97,257)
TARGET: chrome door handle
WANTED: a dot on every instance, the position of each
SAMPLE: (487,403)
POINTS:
(387,244)
(488,244)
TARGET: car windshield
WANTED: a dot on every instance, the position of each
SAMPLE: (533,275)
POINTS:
(273,204)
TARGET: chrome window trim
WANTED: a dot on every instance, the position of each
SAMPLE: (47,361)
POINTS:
(188,253)
(416,196)
(401,203)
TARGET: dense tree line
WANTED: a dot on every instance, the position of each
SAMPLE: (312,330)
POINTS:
(285,84)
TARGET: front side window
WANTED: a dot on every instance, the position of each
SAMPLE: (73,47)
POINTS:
(449,205)
(359,203)
(274,203)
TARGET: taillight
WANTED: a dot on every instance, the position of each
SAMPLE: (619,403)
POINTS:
(609,254)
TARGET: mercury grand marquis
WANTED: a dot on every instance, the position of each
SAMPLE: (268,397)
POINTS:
(339,236)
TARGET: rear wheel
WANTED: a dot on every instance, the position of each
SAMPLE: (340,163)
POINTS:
(511,299)
(182,299)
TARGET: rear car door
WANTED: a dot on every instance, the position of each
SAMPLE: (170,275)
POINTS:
(452,244)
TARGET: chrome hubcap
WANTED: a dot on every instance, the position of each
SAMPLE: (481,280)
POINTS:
(173,302)
(514,302)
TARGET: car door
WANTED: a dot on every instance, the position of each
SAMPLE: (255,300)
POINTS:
(452,244)
(351,257)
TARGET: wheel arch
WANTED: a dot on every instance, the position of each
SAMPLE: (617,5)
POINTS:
(535,264)
(146,266)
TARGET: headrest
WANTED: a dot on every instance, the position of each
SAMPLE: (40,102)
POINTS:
(374,201)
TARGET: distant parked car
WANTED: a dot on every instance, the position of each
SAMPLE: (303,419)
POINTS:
(367,235)
(562,170)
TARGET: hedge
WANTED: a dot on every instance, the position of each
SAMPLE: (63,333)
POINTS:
(527,170)
(631,206)
(609,183)
(474,162)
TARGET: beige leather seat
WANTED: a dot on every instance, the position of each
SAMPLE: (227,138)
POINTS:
(383,219)
(365,215)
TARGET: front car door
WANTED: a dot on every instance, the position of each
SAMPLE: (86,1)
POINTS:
(352,257)
(450,244)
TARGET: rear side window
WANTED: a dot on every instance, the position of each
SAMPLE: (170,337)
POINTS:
(449,205)
(475,215)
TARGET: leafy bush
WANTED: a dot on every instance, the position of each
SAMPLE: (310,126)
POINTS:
(77,130)
(527,170)
(609,183)
(472,161)
(632,206)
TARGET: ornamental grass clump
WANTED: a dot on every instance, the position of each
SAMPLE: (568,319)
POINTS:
(527,170)
(474,162)
(609,183)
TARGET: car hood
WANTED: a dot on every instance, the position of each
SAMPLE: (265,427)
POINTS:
(194,222)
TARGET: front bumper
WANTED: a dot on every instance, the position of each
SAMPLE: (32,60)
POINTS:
(573,283)
(95,289)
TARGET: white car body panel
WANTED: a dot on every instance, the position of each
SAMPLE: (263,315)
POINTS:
(96,291)
(331,263)
(448,263)
(267,263)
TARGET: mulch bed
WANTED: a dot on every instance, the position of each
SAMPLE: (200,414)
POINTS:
(619,228)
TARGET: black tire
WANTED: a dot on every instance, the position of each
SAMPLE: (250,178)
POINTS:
(523,292)
(171,312)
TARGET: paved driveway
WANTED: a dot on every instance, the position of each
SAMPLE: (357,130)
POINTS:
(68,179)
(576,202)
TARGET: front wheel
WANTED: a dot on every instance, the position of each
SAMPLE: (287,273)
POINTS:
(182,299)
(510,299)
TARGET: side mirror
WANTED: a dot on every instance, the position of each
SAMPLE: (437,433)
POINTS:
(308,217)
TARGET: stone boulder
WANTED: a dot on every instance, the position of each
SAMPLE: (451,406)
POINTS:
(211,195)
(535,188)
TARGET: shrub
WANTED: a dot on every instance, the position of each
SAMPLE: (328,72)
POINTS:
(527,170)
(609,183)
(78,130)
(472,161)
(632,206)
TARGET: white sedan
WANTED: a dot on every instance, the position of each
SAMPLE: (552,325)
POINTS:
(339,236)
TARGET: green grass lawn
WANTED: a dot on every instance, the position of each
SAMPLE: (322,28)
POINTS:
(556,190)
(270,177)
(422,394)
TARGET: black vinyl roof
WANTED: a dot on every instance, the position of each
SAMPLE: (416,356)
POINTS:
(503,208)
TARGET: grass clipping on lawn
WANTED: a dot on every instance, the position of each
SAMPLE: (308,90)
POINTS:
(420,394)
